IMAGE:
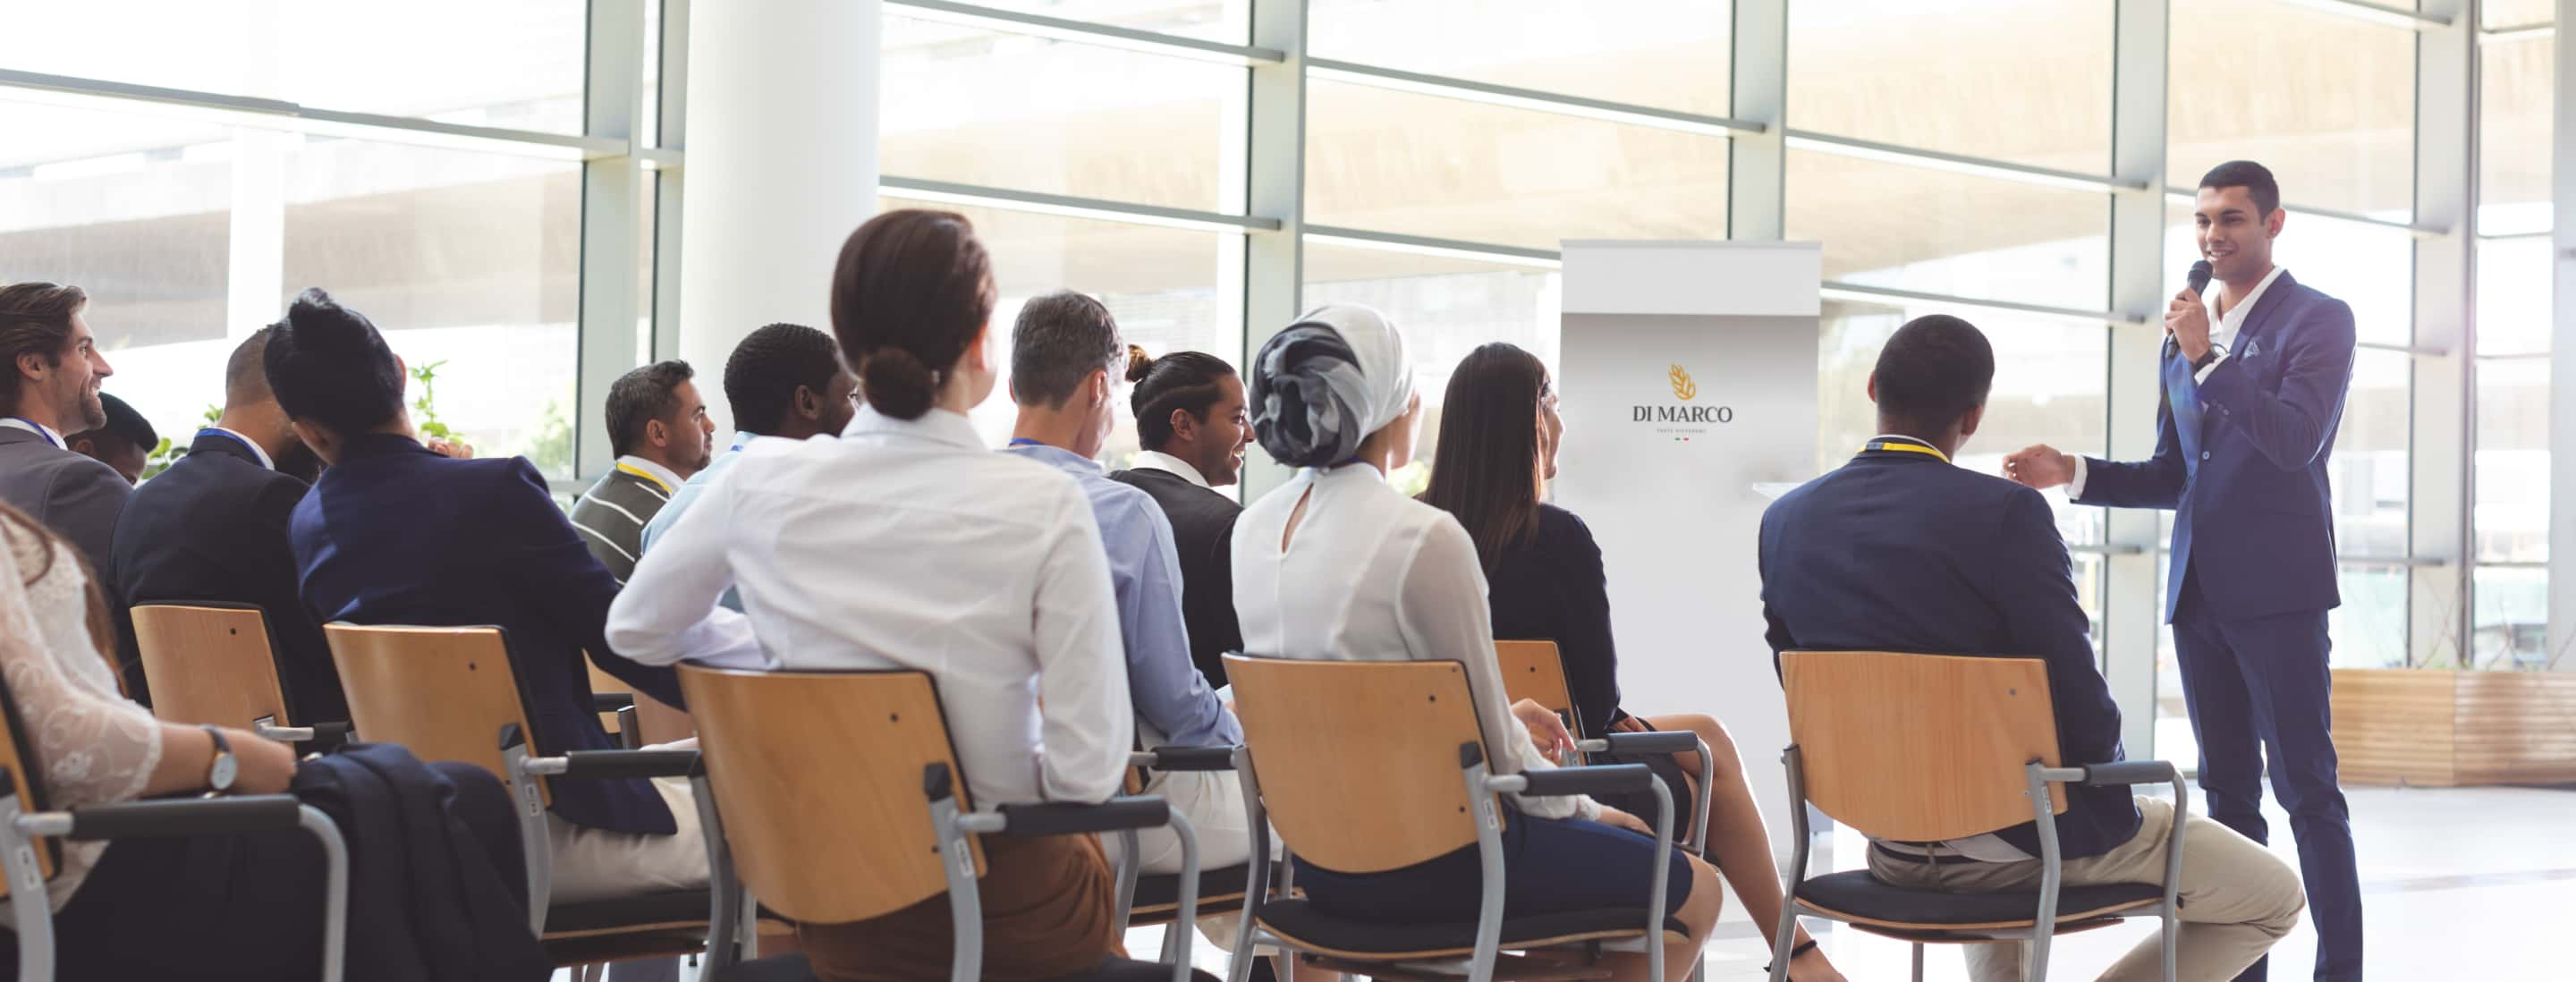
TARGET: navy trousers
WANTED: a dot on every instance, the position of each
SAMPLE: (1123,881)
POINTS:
(2256,689)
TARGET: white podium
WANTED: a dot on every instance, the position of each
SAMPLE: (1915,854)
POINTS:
(1688,388)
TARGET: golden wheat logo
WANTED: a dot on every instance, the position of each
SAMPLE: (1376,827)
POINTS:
(1683,388)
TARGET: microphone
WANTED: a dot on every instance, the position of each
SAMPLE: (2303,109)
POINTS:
(2198,280)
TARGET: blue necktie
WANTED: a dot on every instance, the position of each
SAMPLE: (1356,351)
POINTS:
(2182,395)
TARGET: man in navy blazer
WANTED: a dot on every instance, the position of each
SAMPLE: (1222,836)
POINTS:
(2248,423)
(1898,550)
(395,533)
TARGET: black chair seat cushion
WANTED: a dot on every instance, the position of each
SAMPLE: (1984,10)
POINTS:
(1163,890)
(1299,921)
(628,912)
(794,968)
(1861,895)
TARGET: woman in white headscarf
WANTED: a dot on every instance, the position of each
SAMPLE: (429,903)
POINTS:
(1336,566)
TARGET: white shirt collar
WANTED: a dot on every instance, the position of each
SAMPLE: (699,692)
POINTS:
(937,426)
(670,481)
(2224,327)
(36,428)
(256,451)
(1156,460)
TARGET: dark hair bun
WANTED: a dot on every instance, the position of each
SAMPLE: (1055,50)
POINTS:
(896,383)
(1307,397)
(321,324)
(1139,364)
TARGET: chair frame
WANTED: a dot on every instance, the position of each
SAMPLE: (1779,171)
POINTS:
(522,765)
(952,826)
(29,855)
(2045,924)
(1661,741)
(1483,788)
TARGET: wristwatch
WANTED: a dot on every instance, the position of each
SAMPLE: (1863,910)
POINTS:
(220,774)
(2208,358)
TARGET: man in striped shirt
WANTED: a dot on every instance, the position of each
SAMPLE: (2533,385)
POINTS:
(658,427)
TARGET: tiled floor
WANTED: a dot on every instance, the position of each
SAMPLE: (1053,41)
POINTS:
(2472,883)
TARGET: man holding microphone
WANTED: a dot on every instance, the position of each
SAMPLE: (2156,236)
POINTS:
(2254,379)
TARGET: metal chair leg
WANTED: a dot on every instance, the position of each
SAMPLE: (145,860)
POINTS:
(1918,962)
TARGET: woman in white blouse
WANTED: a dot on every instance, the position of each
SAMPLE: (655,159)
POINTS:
(909,544)
(1336,565)
(249,905)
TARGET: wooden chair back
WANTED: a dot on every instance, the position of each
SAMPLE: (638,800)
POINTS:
(443,692)
(1535,670)
(1920,748)
(819,778)
(1358,761)
(210,663)
(26,777)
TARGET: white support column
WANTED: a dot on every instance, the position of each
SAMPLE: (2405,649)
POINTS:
(668,184)
(782,164)
(2133,608)
(1757,163)
(255,282)
(1274,279)
(611,227)
(2446,147)
(2562,361)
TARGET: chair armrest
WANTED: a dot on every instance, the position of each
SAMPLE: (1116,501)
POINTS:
(609,702)
(186,816)
(327,736)
(1171,758)
(618,765)
(2130,772)
(1131,812)
(1665,742)
(1566,781)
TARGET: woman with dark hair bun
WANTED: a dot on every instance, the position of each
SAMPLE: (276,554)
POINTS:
(1498,442)
(909,544)
(1337,566)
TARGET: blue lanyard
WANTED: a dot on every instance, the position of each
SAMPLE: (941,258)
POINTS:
(39,430)
(1021,441)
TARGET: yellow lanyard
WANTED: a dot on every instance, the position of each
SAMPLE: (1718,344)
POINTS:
(640,472)
(1906,448)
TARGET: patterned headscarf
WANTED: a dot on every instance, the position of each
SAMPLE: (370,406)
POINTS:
(1324,384)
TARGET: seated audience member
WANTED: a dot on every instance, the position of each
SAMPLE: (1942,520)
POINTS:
(1190,420)
(1545,581)
(1062,351)
(124,444)
(213,527)
(1335,565)
(907,544)
(659,430)
(784,381)
(236,906)
(394,533)
(49,387)
(1899,550)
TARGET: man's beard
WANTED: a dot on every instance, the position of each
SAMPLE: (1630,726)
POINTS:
(93,413)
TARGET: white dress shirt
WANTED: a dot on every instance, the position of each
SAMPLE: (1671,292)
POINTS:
(2223,329)
(909,545)
(256,450)
(1156,460)
(1372,575)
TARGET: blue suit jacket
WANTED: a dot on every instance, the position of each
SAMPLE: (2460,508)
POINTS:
(1902,552)
(2255,521)
(395,534)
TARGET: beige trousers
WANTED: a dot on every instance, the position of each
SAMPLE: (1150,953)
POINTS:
(2237,898)
(596,864)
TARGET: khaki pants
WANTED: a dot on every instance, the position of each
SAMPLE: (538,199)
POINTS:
(2237,898)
